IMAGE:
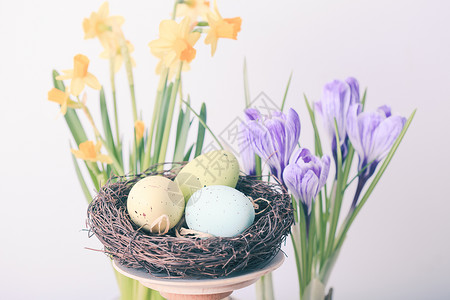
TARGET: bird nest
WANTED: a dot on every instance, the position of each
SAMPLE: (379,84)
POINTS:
(173,255)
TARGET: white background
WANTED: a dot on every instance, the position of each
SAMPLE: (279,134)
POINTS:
(399,246)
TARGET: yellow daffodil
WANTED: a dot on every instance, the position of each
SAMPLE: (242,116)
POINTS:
(175,44)
(193,9)
(80,76)
(62,98)
(221,28)
(101,25)
(115,52)
(90,152)
(139,128)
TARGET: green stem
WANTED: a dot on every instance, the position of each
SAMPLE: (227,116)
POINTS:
(303,244)
(174,11)
(129,69)
(353,213)
(113,87)
(157,107)
(336,204)
(173,96)
(295,243)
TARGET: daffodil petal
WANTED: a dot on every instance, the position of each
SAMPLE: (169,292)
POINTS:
(68,74)
(92,81)
(118,60)
(56,95)
(104,159)
(103,11)
(76,86)
(64,108)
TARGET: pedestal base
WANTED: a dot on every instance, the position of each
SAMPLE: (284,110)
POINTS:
(170,296)
(199,289)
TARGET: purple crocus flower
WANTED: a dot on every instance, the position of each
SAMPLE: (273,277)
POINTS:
(305,176)
(336,100)
(274,137)
(372,134)
(245,146)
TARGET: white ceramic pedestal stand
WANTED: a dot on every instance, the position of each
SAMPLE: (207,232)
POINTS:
(199,289)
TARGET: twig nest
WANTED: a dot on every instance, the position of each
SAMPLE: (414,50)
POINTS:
(186,253)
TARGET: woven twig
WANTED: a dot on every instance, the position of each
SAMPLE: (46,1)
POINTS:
(170,255)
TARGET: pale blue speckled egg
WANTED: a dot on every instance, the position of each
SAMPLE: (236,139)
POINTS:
(219,210)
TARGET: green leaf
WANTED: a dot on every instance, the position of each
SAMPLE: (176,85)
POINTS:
(71,116)
(81,180)
(188,153)
(286,92)
(106,123)
(246,87)
(184,124)
(336,204)
(373,184)
(162,116)
(204,124)
(318,143)
(201,131)
(179,126)
(363,101)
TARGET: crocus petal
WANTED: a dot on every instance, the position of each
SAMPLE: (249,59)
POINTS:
(293,128)
(353,129)
(384,136)
(308,189)
(386,110)
(263,145)
(252,114)
(325,171)
(372,134)
(292,177)
(306,175)
(354,88)
(367,123)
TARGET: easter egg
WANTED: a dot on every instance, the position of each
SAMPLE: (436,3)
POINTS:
(217,167)
(219,210)
(155,203)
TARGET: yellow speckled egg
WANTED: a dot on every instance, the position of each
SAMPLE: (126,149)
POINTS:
(156,203)
(217,167)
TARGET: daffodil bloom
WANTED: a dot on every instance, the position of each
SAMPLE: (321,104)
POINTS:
(62,98)
(221,28)
(101,25)
(80,75)
(193,9)
(114,52)
(90,152)
(175,44)
(139,128)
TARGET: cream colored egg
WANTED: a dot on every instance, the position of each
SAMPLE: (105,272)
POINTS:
(217,167)
(155,203)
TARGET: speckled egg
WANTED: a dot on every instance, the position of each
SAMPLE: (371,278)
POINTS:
(219,210)
(155,202)
(218,167)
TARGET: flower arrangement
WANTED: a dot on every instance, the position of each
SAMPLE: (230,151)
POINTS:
(267,140)
(104,154)
(272,139)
